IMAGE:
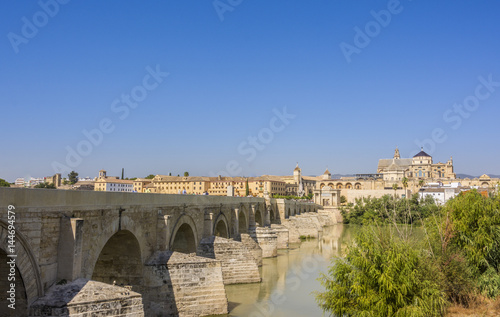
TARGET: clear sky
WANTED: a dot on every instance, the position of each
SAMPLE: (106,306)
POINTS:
(335,84)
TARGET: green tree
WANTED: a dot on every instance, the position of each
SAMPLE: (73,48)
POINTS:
(382,275)
(404,181)
(247,189)
(476,230)
(150,176)
(421,183)
(73,177)
(4,183)
(45,185)
(186,174)
(343,199)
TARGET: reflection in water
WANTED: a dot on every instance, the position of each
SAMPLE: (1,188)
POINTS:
(289,279)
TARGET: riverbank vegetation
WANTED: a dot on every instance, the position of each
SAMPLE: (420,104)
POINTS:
(388,209)
(389,270)
(290,197)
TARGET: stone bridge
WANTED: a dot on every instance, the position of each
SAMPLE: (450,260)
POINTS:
(80,253)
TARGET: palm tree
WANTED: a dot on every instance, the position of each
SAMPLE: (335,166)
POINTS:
(421,183)
(405,184)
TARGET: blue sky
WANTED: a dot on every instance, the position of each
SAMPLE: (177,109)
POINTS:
(231,67)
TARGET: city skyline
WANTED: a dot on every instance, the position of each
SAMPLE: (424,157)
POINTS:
(247,89)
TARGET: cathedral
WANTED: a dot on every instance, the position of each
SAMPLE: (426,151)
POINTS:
(420,166)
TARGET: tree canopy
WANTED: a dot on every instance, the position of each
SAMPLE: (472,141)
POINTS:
(46,186)
(73,177)
(4,183)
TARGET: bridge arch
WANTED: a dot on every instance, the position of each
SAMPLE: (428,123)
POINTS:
(242,221)
(26,271)
(272,216)
(259,217)
(221,226)
(120,261)
(184,236)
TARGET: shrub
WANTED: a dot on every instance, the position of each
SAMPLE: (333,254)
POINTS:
(382,275)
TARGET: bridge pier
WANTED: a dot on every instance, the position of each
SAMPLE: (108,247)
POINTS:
(238,264)
(69,252)
(183,285)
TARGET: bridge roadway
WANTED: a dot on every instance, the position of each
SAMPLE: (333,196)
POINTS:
(71,242)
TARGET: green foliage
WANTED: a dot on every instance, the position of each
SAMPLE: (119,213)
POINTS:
(343,199)
(45,185)
(388,208)
(73,177)
(382,275)
(186,174)
(290,197)
(247,189)
(476,230)
(150,176)
(457,257)
(4,183)
(308,237)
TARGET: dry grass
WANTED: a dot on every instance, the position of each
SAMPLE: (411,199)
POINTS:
(480,307)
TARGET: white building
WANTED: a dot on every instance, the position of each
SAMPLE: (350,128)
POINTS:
(19,181)
(440,194)
(35,181)
(114,185)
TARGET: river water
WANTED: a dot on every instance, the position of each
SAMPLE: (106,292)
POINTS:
(289,280)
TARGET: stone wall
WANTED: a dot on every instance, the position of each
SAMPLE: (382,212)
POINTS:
(238,264)
(267,240)
(185,285)
(281,236)
(88,298)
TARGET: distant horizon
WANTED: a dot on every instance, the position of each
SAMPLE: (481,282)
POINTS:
(249,88)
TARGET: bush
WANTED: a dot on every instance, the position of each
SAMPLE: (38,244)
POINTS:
(476,231)
(382,275)
(389,209)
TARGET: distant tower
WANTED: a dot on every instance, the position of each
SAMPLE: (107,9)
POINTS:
(102,174)
(297,174)
(326,174)
(396,154)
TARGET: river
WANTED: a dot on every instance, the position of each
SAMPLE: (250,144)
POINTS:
(289,280)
